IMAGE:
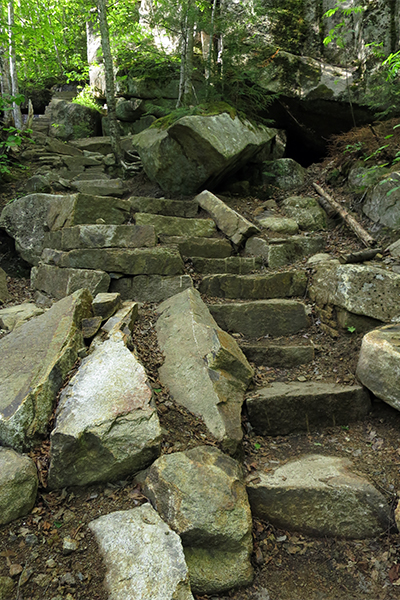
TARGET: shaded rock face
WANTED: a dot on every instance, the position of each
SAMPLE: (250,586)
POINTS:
(319,495)
(379,363)
(34,361)
(71,121)
(144,558)
(18,485)
(198,151)
(201,495)
(307,213)
(107,425)
(59,283)
(4,295)
(204,367)
(381,207)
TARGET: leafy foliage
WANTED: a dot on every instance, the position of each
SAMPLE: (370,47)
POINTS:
(10,137)
(87,97)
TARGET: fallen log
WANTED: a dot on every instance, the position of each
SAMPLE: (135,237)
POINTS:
(360,232)
(357,257)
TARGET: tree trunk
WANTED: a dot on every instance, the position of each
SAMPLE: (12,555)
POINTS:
(13,67)
(210,49)
(109,76)
(185,82)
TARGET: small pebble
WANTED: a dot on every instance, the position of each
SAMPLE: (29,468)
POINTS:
(70,546)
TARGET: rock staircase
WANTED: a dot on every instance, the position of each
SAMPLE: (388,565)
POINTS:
(41,123)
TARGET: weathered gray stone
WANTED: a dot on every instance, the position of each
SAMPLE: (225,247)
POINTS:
(279,224)
(101,236)
(255,287)
(14,316)
(284,173)
(75,162)
(106,304)
(347,320)
(150,288)
(130,261)
(204,367)
(109,187)
(231,264)
(4,295)
(6,587)
(284,408)
(285,356)
(144,558)
(319,495)
(90,326)
(379,363)
(177,225)
(163,206)
(18,485)
(106,422)
(295,248)
(73,121)
(360,289)
(34,360)
(307,213)
(231,223)
(37,183)
(202,247)
(59,147)
(200,493)
(256,246)
(261,317)
(394,249)
(123,320)
(383,202)
(59,283)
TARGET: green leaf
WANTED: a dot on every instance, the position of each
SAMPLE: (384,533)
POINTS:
(257,446)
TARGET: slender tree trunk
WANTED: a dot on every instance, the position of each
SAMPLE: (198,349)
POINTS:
(5,79)
(185,82)
(109,76)
(13,67)
(210,49)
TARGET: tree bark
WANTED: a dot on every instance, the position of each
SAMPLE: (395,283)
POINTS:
(185,82)
(109,76)
(13,66)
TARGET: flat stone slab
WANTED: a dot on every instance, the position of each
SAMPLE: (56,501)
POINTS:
(201,494)
(279,225)
(231,223)
(143,556)
(261,317)
(177,225)
(129,261)
(106,422)
(164,206)
(232,264)
(360,289)
(107,187)
(197,246)
(18,485)
(59,283)
(284,408)
(204,367)
(101,236)
(13,316)
(34,361)
(255,287)
(284,356)
(150,288)
(106,304)
(294,249)
(379,363)
(319,496)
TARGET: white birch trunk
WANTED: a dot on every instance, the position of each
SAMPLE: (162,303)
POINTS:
(13,66)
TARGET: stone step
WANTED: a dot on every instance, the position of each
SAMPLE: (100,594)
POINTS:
(282,355)
(150,288)
(255,287)
(261,317)
(100,236)
(199,246)
(285,408)
(231,264)
(164,206)
(177,225)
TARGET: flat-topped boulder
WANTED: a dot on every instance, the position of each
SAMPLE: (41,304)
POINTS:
(177,225)
(34,361)
(101,236)
(231,223)
(201,494)
(307,212)
(204,367)
(199,246)
(106,422)
(129,261)
(18,485)
(150,288)
(284,408)
(59,283)
(255,287)
(319,496)
(232,264)
(105,187)
(164,206)
(283,225)
(360,289)
(379,363)
(261,317)
(283,355)
(106,304)
(143,556)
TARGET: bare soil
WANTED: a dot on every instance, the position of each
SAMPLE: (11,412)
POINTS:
(288,566)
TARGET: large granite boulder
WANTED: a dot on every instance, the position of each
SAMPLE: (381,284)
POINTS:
(200,493)
(18,485)
(106,422)
(34,361)
(319,496)
(70,121)
(204,368)
(144,558)
(199,151)
(383,202)
(379,363)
